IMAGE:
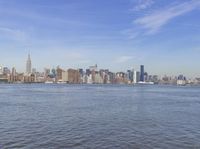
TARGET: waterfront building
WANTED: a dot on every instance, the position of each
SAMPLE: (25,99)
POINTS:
(168,80)
(146,77)
(104,75)
(59,74)
(3,79)
(134,76)
(120,78)
(106,78)
(93,70)
(153,78)
(40,77)
(3,76)
(28,65)
(111,77)
(53,72)
(89,79)
(137,76)
(81,72)
(98,79)
(181,80)
(88,72)
(142,73)
(28,78)
(65,76)
(84,79)
(13,76)
(130,75)
(73,76)
(6,70)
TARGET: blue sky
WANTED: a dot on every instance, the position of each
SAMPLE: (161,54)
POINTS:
(115,34)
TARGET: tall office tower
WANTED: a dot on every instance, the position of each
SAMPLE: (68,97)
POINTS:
(28,65)
(142,73)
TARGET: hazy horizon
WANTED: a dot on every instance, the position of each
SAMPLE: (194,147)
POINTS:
(115,34)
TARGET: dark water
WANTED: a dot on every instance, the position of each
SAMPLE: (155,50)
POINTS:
(97,116)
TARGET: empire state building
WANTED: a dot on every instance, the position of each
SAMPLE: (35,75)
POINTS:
(28,65)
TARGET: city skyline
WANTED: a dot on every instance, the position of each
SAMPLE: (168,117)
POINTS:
(134,73)
(119,35)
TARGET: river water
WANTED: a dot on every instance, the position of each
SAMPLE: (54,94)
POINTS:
(99,116)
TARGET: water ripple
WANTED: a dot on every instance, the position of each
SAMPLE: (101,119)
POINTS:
(97,116)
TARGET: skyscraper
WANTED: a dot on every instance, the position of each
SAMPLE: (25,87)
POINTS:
(135,77)
(28,65)
(142,73)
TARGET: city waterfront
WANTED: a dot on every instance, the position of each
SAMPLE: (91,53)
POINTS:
(99,116)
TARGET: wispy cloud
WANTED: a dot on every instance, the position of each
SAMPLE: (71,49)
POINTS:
(43,18)
(153,22)
(123,59)
(142,4)
(13,34)
(132,33)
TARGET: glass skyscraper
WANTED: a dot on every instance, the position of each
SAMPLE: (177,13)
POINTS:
(142,73)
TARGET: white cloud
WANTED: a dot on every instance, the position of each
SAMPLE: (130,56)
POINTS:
(143,4)
(123,59)
(157,19)
(131,33)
